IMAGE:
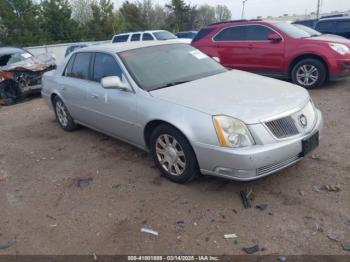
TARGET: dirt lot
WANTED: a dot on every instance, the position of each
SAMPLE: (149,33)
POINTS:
(43,211)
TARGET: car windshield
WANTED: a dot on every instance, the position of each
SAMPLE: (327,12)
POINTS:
(292,30)
(162,66)
(308,30)
(164,35)
(9,59)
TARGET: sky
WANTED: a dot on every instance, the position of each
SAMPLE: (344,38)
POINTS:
(266,8)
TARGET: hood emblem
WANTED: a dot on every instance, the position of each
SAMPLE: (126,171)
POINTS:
(303,120)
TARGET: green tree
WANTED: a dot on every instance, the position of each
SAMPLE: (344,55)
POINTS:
(178,13)
(101,26)
(20,23)
(57,22)
(132,17)
(206,15)
(222,13)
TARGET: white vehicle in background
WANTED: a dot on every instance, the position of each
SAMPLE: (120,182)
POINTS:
(160,35)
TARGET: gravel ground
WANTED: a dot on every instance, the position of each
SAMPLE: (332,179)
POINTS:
(43,211)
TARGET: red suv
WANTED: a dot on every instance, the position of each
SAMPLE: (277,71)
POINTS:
(277,49)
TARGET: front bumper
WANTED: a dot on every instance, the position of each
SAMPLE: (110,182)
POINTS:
(250,163)
(342,72)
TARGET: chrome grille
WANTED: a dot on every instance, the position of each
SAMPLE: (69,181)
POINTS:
(283,128)
(276,167)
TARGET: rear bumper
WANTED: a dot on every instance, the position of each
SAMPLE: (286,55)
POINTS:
(253,162)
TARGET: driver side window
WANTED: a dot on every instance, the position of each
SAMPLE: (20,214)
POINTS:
(105,65)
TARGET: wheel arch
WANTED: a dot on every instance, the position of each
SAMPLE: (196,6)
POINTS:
(307,56)
(153,124)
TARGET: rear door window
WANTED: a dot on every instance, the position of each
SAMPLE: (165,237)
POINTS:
(135,37)
(105,65)
(120,38)
(236,33)
(81,66)
(147,37)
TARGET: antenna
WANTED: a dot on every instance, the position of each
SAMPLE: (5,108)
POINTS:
(319,3)
(243,9)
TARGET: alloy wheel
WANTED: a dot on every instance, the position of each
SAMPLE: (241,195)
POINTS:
(61,113)
(307,75)
(170,155)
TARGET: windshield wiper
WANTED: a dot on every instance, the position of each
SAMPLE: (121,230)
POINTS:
(171,84)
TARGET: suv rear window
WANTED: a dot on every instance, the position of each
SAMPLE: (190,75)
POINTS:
(202,33)
(147,37)
(120,38)
(135,37)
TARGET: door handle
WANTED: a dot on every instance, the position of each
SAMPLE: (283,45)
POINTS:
(95,96)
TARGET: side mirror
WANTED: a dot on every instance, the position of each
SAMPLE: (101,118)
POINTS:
(274,38)
(114,82)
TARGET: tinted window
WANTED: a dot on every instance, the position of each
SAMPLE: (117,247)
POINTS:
(147,37)
(120,38)
(68,71)
(237,33)
(258,33)
(202,33)
(105,65)
(135,37)
(164,35)
(343,27)
(81,66)
(325,26)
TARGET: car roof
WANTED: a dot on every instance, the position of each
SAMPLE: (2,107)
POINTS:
(10,50)
(140,32)
(125,46)
(341,18)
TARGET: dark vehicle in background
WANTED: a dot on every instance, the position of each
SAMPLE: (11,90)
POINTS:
(74,47)
(276,49)
(336,26)
(187,35)
(21,73)
(308,22)
(314,33)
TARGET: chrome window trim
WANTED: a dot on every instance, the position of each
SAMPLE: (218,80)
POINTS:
(245,41)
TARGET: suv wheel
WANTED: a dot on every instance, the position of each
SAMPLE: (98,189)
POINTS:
(173,154)
(63,116)
(309,73)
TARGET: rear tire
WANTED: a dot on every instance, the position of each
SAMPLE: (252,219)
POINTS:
(309,73)
(63,116)
(173,154)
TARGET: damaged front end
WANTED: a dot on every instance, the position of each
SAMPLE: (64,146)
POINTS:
(20,79)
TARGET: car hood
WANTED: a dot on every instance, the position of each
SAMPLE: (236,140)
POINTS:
(331,39)
(248,97)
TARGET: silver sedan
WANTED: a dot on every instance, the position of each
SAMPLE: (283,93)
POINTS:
(193,115)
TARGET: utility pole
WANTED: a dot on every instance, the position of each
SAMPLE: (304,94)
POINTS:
(243,9)
(318,9)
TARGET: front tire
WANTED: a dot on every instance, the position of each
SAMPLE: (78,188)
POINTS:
(309,73)
(63,116)
(173,154)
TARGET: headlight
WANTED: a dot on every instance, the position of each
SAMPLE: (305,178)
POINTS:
(340,48)
(232,132)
